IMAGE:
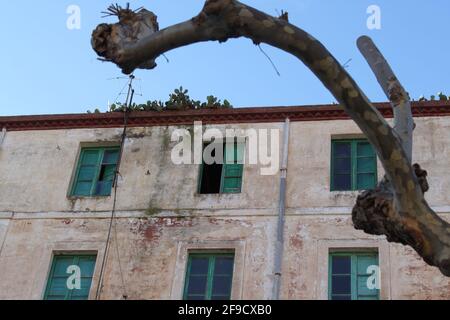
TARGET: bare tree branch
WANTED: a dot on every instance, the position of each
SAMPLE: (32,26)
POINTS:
(400,101)
(408,218)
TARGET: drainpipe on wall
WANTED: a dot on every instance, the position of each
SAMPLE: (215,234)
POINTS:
(2,136)
(279,245)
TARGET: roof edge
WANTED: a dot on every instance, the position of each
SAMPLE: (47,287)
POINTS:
(218,116)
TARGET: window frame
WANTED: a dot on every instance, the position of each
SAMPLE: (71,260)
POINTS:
(212,256)
(354,164)
(103,150)
(236,144)
(353,270)
(75,256)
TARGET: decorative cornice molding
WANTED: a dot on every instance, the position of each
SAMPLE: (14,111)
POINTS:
(221,116)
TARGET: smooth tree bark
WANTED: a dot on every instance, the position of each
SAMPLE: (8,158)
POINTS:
(397,207)
(397,95)
(374,207)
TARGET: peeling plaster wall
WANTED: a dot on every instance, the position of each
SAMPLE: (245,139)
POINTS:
(309,160)
(161,216)
(309,239)
(148,249)
(37,167)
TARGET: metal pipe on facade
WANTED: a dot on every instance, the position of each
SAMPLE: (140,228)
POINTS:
(279,244)
(2,136)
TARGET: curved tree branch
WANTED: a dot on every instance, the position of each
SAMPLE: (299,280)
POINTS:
(408,218)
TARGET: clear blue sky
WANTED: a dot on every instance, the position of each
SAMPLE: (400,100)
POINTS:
(47,68)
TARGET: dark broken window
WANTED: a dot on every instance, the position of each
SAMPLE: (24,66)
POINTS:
(211,174)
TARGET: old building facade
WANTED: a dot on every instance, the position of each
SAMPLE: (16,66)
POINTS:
(172,237)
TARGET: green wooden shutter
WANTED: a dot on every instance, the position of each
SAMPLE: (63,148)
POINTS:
(233,168)
(340,277)
(197,276)
(87,173)
(222,277)
(87,266)
(362,263)
(366,166)
(57,282)
(56,286)
(341,166)
(107,172)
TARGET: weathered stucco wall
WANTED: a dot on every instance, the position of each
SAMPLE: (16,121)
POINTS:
(37,169)
(153,256)
(161,216)
(310,154)
(148,251)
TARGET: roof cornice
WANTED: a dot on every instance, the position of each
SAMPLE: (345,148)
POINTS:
(220,116)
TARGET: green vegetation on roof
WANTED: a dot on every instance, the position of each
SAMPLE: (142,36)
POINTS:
(178,100)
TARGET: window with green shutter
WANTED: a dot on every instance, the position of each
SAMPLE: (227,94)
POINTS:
(350,276)
(209,276)
(59,284)
(224,177)
(353,165)
(95,172)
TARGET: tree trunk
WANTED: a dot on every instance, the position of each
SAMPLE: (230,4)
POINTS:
(406,216)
